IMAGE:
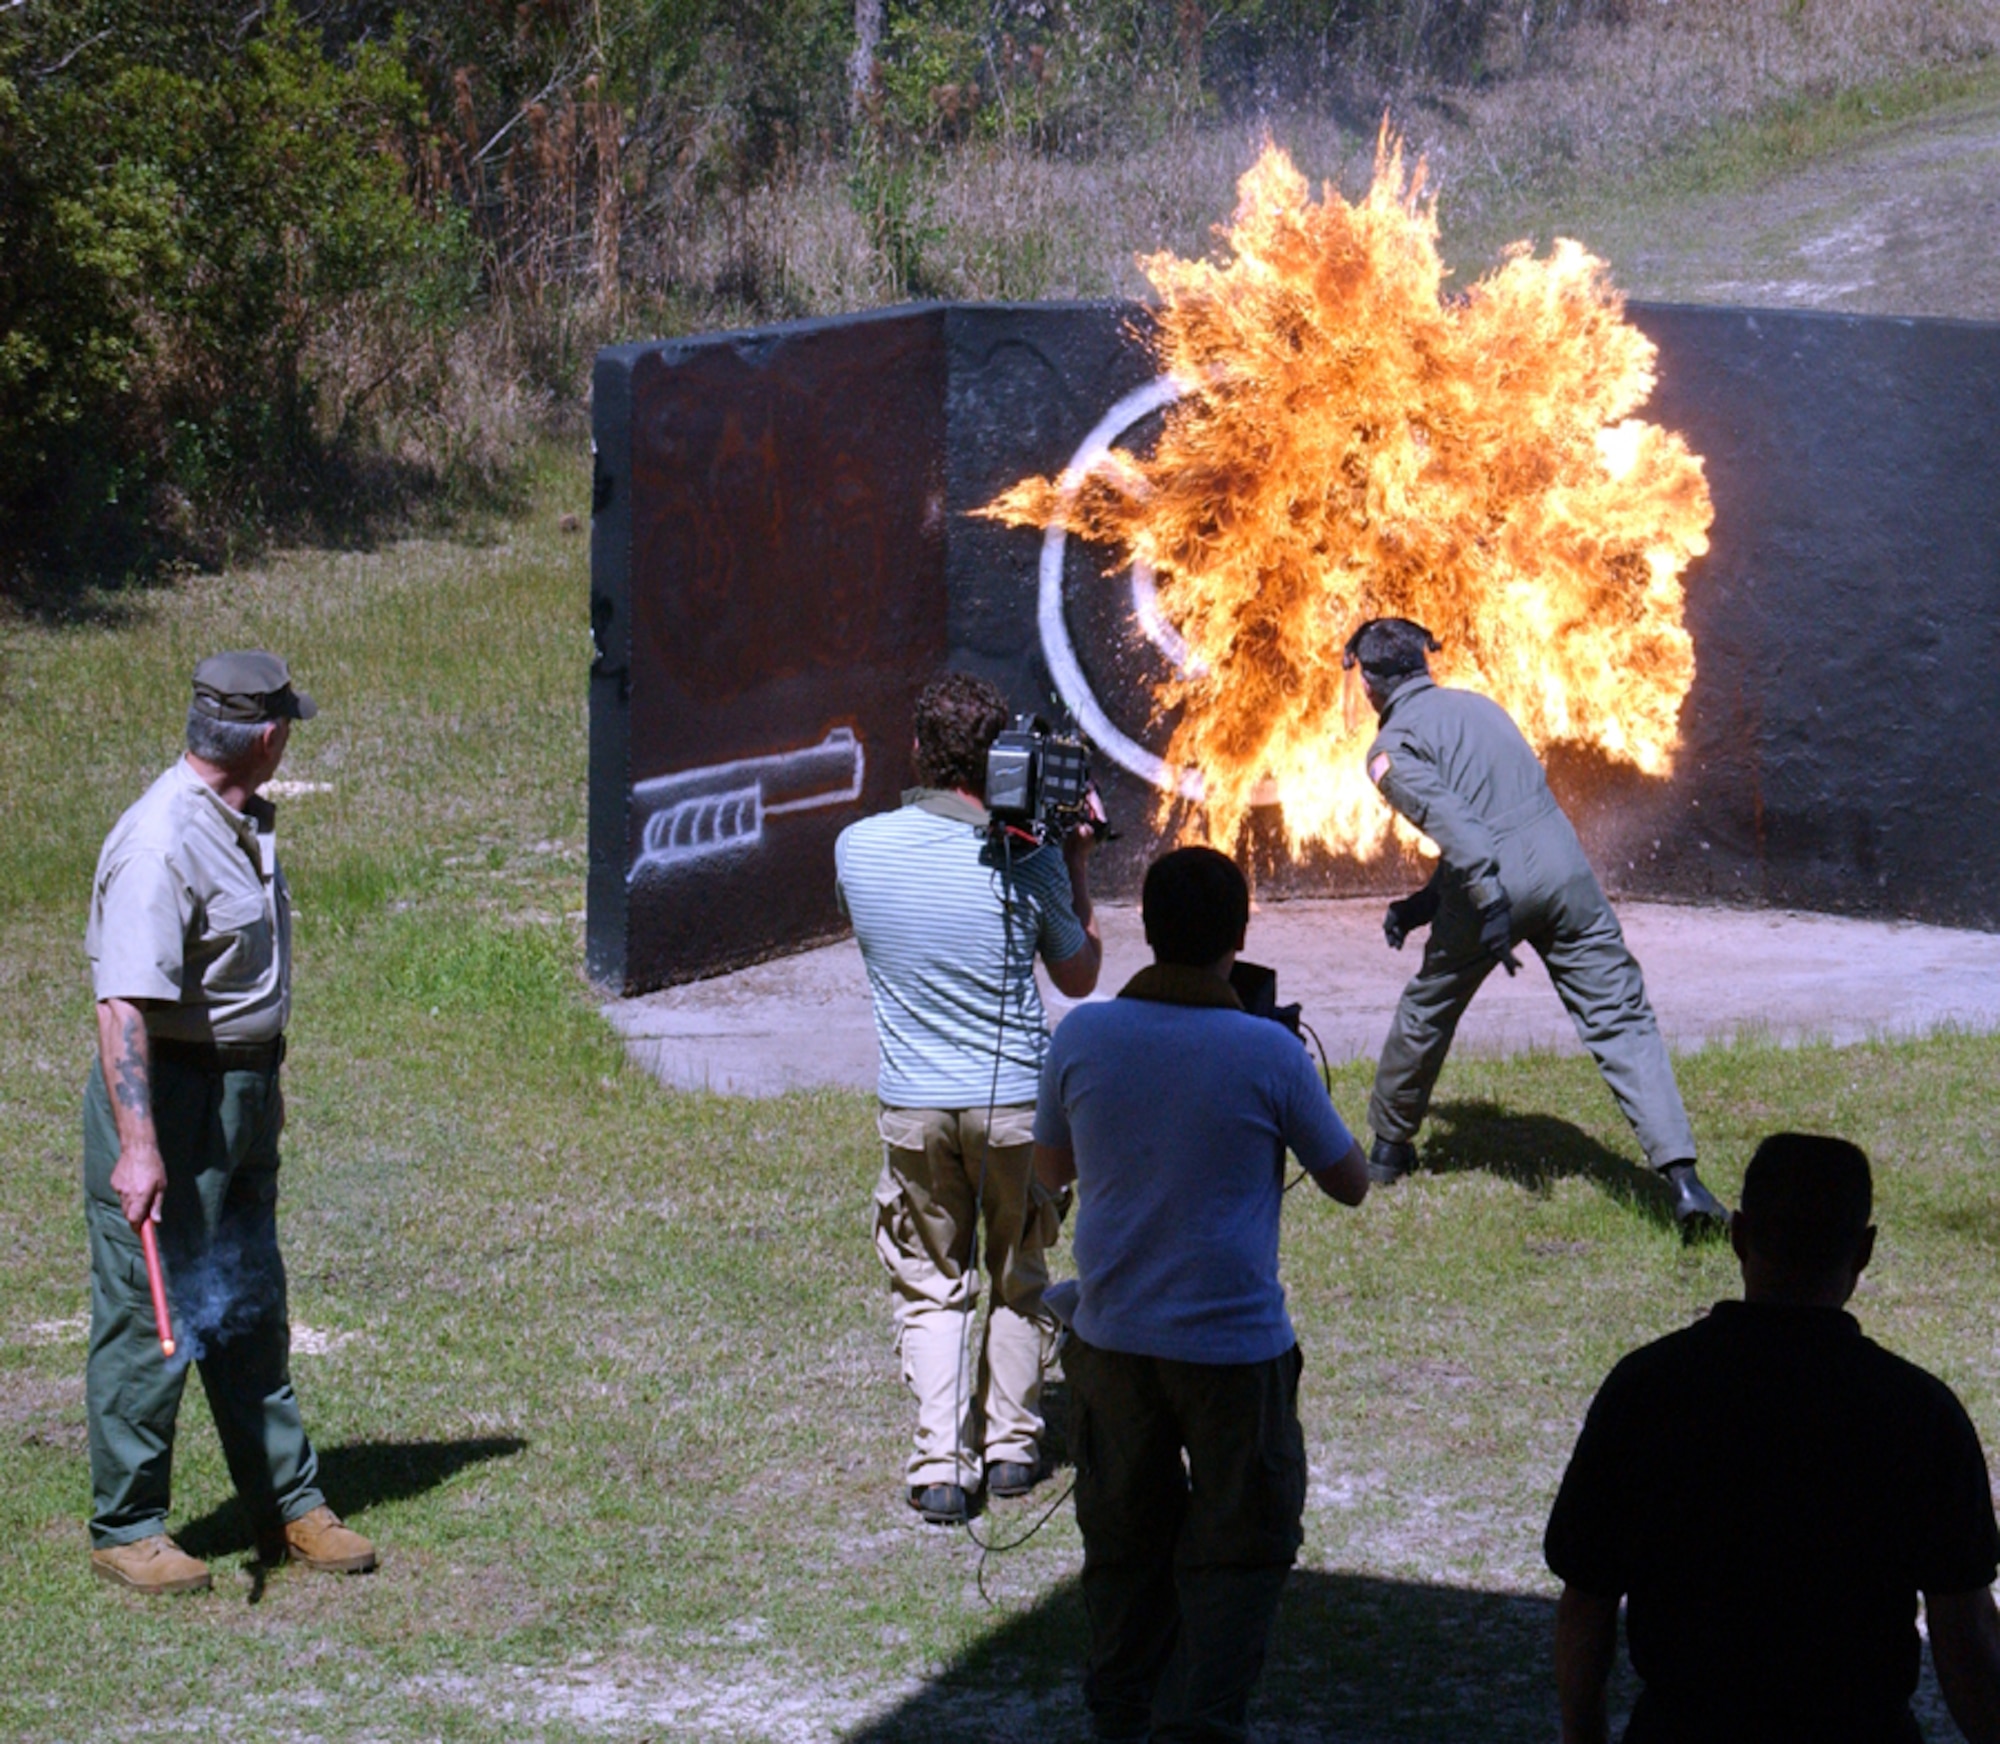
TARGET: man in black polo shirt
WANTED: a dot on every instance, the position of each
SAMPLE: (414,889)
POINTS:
(1769,1491)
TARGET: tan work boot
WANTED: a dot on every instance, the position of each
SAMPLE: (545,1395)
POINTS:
(151,1565)
(320,1541)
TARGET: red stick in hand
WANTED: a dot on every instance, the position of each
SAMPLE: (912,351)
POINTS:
(158,1280)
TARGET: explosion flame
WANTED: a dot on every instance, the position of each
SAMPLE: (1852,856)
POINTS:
(1348,444)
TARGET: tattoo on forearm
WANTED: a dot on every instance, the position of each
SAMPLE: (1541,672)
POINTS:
(132,1089)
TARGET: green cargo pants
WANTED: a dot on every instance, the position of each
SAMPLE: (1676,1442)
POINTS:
(1190,1495)
(218,1235)
(1577,936)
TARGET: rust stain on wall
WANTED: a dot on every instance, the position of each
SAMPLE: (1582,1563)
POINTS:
(783,601)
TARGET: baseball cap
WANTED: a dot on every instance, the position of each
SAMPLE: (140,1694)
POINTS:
(249,686)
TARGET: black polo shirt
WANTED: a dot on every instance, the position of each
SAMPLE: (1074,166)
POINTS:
(1771,1491)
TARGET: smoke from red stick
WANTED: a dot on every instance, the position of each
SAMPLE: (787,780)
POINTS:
(158,1280)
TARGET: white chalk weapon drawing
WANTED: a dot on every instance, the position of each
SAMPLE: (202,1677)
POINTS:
(694,813)
(1060,651)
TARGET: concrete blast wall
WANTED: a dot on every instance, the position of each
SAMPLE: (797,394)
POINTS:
(781,556)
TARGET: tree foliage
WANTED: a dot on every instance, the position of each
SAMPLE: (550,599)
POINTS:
(184,194)
(194,196)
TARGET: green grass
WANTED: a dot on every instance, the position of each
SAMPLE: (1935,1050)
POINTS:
(606,1369)
(1810,126)
(1614,193)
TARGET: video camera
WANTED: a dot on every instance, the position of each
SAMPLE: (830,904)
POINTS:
(1038,780)
(1257,987)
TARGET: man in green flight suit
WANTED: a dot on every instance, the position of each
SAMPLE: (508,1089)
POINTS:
(1510,871)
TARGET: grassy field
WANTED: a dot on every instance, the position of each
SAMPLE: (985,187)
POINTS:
(606,1370)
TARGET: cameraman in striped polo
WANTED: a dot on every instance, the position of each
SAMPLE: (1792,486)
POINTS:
(949,925)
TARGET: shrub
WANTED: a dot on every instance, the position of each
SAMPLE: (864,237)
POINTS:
(182,209)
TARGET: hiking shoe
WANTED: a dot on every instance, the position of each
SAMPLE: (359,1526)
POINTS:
(1009,1478)
(320,1541)
(940,1504)
(1701,1216)
(1389,1160)
(151,1565)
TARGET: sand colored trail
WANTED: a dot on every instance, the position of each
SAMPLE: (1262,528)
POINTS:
(803,1022)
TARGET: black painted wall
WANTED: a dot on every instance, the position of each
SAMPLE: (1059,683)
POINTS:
(1842,741)
(767,595)
(782,553)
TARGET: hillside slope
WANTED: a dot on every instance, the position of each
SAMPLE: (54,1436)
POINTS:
(1899,222)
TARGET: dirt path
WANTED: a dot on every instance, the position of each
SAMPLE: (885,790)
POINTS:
(1900,223)
(1713,974)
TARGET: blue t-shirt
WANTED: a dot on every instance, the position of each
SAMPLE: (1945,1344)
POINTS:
(1180,1117)
(949,931)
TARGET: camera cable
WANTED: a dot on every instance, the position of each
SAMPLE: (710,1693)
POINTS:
(1325,1077)
(1003,840)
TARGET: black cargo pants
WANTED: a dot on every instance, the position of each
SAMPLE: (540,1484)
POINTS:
(1182,1562)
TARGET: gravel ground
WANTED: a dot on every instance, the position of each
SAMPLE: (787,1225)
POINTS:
(1713,974)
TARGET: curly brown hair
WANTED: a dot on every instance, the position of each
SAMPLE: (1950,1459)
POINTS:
(958,716)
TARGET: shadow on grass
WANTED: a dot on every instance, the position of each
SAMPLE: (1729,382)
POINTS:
(1352,1656)
(355,1477)
(1535,1151)
(64,603)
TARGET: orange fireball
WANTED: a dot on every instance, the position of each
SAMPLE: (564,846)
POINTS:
(1349,443)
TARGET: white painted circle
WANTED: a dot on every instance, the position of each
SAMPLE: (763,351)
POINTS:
(1057,648)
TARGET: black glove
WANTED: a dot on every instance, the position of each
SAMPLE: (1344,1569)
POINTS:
(1496,934)
(1407,913)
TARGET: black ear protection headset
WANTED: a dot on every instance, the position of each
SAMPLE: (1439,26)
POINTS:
(1350,656)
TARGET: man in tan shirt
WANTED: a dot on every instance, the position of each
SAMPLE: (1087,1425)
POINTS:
(190,947)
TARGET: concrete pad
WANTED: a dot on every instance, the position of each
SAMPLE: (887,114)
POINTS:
(804,1021)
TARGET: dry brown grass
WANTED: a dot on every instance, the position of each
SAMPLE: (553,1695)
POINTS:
(459,404)
(1589,111)
(1617,94)
(1569,120)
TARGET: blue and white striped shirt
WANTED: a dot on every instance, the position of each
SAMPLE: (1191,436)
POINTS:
(950,958)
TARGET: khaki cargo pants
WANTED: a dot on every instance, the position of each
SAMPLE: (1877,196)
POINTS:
(977,1404)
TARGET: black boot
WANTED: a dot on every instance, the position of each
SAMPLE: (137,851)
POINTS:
(1009,1478)
(941,1504)
(1699,1213)
(1389,1160)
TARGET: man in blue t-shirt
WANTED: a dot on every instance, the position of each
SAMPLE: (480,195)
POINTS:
(950,919)
(1172,1109)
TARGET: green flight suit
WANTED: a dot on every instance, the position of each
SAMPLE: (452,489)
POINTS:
(1454,763)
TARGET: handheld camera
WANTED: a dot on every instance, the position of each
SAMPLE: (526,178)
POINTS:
(1257,987)
(1038,779)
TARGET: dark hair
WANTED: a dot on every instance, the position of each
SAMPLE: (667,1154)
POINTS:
(958,716)
(1196,904)
(1807,1200)
(1390,648)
